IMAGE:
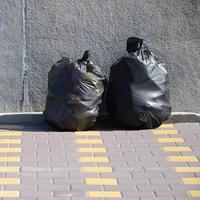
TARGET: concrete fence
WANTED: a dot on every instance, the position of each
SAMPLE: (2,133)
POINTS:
(36,33)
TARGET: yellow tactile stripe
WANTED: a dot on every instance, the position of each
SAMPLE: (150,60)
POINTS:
(10,149)
(92,150)
(10,133)
(100,181)
(182,158)
(97,169)
(103,194)
(9,169)
(10,141)
(166,126)
(9,181)
(9,194)
(88,141)
(169,140)
(165,132)
(93,159)
(9,159)
(187,169)
(87,133)
(191,181)
(175,149)
(194,193)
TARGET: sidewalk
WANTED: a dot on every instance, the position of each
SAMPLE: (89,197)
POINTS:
(160,164)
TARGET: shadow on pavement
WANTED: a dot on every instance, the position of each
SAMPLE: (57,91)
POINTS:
(35,121)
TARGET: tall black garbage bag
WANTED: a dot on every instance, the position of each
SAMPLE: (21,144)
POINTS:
(138,88)
(75,90)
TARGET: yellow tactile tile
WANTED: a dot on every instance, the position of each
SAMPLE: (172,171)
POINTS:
(100,181)
(166,126)
(10,133)
(182,158)
(9,194)
(191,181)
(170,140)
(165,132)
(9,159)
(187,169)
(10,141)
(194,193)
(88,141)
(92,150)
(9,169)
(96,169)
(103,194)
(9,181)
(87,133)
(175,149)
(10,149)
(93,159)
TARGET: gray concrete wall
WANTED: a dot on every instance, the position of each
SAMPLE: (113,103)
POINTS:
(36,33)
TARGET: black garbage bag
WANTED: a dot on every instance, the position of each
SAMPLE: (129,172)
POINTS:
(75,91)
(138,88)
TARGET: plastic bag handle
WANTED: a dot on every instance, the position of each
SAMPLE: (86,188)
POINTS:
(85,57)
(134,44)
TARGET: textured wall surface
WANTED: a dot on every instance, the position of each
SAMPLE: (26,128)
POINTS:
(36,33)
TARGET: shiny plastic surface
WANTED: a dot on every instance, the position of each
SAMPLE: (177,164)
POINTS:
(75,90)
(138,89)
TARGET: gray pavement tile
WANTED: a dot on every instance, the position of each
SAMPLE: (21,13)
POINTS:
(45,187)
(33,181)
(172,164)
(145,187)
(161,169)
(65,193)
(21,174)
(165,180)
(35,169)
(43,194)
(54,198)
(120,187)
(83,175)
(21,187)
(181,187)
(152,174)
(80,164)
(66,169)
(142,165)
(113,164)
(157,198)
(172,174)
(138,194)
(194,164)
(134,181)
(115,175)
(166,193)
(68,181)
(52,174)
(21,198)
(128,169)
(83,188)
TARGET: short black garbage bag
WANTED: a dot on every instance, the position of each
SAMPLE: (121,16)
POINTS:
(138,88)
(75,91)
